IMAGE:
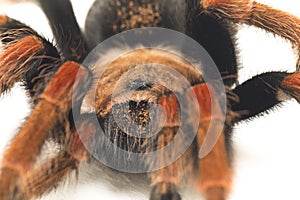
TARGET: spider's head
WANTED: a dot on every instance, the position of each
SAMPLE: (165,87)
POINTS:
(143,95)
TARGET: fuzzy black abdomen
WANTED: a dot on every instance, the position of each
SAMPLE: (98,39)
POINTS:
(107,18)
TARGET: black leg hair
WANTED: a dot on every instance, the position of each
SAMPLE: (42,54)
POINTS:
(65,29)
(266,92)
(216,36)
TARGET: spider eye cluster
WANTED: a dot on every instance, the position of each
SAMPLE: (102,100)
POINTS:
(138,119)
(140,84)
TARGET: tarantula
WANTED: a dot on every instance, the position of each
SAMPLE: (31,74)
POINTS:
(60,83)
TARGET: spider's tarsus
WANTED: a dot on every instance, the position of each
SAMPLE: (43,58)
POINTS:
(164,191)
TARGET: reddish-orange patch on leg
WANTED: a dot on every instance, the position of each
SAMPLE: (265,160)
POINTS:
(3,20)
(52,109)
(14,59)
(203,96)
(171,107)
(291,85)
(24,47)
(214,171)
(60,90)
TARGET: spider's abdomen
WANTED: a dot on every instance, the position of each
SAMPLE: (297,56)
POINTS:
(107,18)
(130,15)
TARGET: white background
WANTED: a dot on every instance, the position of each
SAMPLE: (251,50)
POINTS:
(267,164)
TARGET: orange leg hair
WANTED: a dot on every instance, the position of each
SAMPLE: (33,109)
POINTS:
(214,168)
(262,16)
(166,181)
(213,173)
(44,178)
(52,109)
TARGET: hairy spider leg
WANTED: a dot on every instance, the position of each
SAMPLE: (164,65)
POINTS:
(214,169)
(44,178)
(56,101)
(266,92)
(217,37)
(65,28)
(291,85)
(253,13)
(166,181)
(26,57)
(211,175)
